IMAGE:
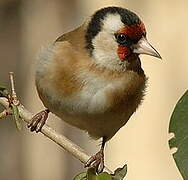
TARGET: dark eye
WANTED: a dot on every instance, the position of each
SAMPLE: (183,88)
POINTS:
(122,39)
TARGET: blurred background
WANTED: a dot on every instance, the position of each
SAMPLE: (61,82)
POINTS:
(26,26)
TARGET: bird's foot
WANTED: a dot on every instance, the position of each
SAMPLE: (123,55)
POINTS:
(38,121)
(96,161)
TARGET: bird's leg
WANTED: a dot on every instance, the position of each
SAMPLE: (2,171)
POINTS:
(97,160)
(38,121)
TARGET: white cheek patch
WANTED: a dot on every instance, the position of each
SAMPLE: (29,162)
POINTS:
(113,23)
(105,45)
(105,51)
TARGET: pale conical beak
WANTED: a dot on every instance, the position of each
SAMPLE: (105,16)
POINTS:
(144,47)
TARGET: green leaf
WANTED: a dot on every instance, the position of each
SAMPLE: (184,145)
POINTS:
(104,176)
(3,91)
(2,88)
(91,175)
(16,116)
(120,173)
(179,126)
(81,176)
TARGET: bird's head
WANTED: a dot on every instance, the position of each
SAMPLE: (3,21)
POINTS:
(115,37)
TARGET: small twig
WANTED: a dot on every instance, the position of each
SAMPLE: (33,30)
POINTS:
(15,100)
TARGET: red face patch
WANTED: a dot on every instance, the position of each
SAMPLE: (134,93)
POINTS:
(123,52)
(134,32)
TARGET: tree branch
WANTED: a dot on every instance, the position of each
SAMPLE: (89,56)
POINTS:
(59,139)
(11,100)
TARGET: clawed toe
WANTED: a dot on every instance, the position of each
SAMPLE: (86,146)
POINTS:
(96,161)
(38,121)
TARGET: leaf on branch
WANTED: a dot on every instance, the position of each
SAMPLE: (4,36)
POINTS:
(120,173)
(16,116)
(179,126)
(92,175)
(81,176)
(104,176)
(3,91)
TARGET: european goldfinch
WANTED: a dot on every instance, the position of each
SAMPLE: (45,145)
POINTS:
(92,77)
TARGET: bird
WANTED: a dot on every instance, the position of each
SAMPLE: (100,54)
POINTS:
(91,77)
